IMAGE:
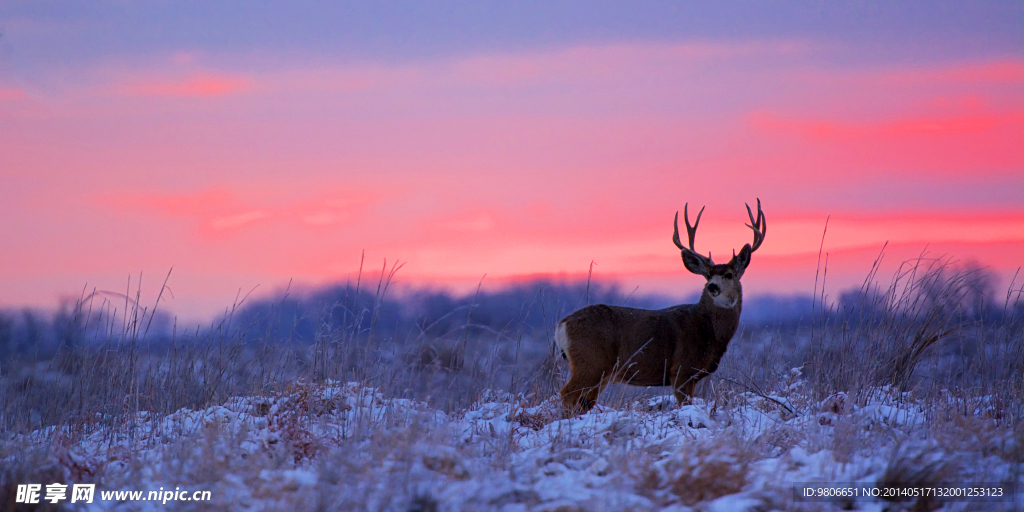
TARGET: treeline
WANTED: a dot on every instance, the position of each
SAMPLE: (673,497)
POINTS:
(340,311)
(346,312)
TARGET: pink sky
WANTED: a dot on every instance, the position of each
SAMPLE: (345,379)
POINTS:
(510,164)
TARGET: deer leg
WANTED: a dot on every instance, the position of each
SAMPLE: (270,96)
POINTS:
(586,383)
(684,391)
(580,394)
(592,366)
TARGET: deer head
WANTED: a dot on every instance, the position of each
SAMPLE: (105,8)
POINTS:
(723,281)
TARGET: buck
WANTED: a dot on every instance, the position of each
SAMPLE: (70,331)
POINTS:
(676,346)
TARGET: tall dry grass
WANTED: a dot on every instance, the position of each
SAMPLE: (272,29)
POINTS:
(925,330)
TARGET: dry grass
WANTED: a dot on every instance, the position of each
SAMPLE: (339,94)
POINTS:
(700,471)
(877,336)
(923,326)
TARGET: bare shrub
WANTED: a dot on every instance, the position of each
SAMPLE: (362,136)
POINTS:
(913,467)
(28,467)
(699,471)
(877,336)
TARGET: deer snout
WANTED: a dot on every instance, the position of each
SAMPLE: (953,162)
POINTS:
(714,289)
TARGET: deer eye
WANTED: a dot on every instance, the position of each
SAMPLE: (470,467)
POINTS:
(728,275)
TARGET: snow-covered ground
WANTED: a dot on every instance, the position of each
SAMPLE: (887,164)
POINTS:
(344,446)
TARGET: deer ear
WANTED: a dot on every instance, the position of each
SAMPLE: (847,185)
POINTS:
(696,263)
(740,261)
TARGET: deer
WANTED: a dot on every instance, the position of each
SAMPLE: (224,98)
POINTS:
(676,346)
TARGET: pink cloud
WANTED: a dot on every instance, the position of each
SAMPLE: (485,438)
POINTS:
(980,141)
(202,203)
(324,218)
(890,128)
(597,62)
(613,62)
(217,211)
(182,58)
(195,86)
(610,62)
(522,248)
(998,72)
(478,223)
(11,94)
(237,220)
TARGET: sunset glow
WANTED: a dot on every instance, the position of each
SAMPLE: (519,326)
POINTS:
(252,163)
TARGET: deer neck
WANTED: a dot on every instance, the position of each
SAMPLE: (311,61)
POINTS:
(724,321)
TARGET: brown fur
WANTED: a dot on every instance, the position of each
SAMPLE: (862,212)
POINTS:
(676,346)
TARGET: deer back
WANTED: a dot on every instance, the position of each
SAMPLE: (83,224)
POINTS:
(650,347)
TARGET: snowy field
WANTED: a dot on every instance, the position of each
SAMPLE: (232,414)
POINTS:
(337,446)
(918,388)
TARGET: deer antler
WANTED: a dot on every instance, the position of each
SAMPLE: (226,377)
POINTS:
(760,225)
(691,231)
